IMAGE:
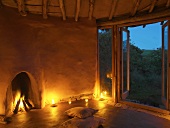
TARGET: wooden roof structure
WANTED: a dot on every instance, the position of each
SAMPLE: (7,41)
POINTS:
(108,11)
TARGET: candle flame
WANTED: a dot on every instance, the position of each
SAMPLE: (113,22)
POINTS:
(101,95)
(86,100)
(53,102)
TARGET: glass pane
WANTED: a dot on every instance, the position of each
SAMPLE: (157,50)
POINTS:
(124,50)
(105,60)
(165,59)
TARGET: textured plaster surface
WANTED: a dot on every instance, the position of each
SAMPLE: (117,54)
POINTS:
(59,55)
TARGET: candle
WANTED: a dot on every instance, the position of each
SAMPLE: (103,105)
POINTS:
(86,100)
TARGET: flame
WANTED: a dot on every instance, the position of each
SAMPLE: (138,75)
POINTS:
(17,97)
(53,102)
(105,93)
(21,105)
(101,96)
(86,100)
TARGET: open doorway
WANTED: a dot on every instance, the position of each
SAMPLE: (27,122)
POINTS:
(144,64)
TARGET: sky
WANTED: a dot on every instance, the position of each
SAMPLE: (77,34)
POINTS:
(149,37)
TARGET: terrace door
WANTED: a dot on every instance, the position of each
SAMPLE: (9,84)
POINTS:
(125,63)
(165,65)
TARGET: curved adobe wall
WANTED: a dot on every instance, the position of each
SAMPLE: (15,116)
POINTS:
(60,55)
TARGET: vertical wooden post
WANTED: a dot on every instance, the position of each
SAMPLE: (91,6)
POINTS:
(21,7)
(62,9)
(44,8)
(91,8)
(77,9)
(114,64)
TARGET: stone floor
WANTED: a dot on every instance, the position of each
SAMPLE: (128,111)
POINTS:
(117,116)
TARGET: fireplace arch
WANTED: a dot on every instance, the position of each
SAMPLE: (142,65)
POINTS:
(26,85)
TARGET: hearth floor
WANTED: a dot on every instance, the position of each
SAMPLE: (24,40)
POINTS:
(118,116)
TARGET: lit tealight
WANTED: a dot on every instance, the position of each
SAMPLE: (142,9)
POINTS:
(69,102)
(86,100)
(53,103)
(105,93)
(101,96)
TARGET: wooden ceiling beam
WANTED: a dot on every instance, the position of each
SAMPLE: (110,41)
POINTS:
(91,8)
(113,9)
(21,7)
(135,7)
(44,8)
(152,6)
(168,3)
(140,19)
(61,3)
(77,9)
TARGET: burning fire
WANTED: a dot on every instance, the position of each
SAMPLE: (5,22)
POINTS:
(21,105)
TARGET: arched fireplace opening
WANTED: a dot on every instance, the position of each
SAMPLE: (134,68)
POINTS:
(22,94)
(21,86)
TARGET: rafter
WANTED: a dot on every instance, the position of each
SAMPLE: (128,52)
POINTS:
(140,19)
(168,3)
(1,3)
(21,7)
(135,7)
(91,8)
(113,9)
(44,8)
(62,9)
(152,6)
(77,9)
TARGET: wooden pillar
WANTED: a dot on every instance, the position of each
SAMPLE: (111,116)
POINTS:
(62,9)
(44,8)
(77,9)
(21,7)
(114,64)
(91,8)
